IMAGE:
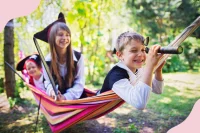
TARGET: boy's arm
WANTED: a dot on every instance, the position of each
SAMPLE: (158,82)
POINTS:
(136,95)
(158,72)
(152,60)
(158,81)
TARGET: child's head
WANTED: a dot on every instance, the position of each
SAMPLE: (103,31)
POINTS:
(32,69)
(32,64)
(131,50)
(59,36)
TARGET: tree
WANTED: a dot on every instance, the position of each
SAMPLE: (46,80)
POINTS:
(9,57)
(186,12)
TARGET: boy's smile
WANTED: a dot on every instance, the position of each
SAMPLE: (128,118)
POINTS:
(133,55)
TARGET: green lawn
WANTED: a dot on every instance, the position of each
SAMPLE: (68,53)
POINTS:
(163,111)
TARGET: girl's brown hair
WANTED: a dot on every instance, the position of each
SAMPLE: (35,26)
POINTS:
(54,68)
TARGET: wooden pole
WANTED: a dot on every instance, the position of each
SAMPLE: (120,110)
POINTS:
(181,37)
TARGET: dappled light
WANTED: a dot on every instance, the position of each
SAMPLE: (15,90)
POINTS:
(124,110)
(110,122)
(19,123)
(147,130)
(165,100)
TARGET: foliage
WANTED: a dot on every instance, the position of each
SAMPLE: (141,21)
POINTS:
(131,129)
(12,101)
(120,130)
(163,21)
(188,10)
(175,64)
(191,55)
(18,90)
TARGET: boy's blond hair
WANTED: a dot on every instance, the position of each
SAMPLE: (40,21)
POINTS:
(125,39)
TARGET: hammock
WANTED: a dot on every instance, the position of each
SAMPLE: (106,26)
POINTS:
(63,114)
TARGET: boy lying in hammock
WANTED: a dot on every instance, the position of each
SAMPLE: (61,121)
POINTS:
(32,64)
(128,79)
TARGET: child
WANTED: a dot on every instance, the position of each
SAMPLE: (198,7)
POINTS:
(32,64)
(122,78)
(66,65)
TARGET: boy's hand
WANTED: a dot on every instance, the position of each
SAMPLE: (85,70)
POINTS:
(153,56)
(161,66)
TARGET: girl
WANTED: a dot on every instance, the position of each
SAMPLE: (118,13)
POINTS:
(32,64)
(66,65)
(123,77)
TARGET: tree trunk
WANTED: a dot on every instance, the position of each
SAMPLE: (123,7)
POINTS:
(9,57)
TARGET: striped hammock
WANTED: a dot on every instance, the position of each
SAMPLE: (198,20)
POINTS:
(63,114)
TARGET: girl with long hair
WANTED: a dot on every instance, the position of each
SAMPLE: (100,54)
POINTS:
(66,65)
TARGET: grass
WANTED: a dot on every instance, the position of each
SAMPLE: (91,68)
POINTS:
(162,112)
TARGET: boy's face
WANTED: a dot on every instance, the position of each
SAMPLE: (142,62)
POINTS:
(62,39)
(133,55)
(33,69)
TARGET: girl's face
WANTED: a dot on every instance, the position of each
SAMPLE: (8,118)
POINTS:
(133,55)
(33,69)
(62,39)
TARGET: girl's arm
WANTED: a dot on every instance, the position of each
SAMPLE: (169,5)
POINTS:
(76,91)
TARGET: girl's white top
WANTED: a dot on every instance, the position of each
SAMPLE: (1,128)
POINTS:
(77,89)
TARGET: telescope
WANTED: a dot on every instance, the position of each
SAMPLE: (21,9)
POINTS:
(168,50)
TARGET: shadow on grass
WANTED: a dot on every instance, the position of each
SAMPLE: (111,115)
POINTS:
(90,126)
(23,120)
(19,119)
(162,112)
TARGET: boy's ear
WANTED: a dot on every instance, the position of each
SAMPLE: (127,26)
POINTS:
(119,55)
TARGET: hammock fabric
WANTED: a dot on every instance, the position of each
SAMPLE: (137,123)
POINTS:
(63,114)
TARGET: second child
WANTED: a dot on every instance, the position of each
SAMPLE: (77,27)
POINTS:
(32,64)
(124,79)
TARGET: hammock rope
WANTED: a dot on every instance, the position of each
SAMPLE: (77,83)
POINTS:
(63,114)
